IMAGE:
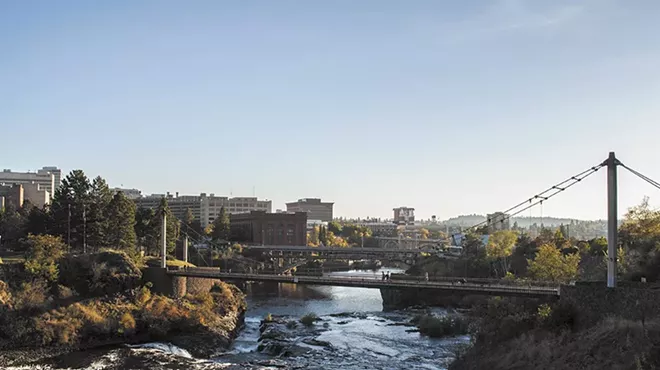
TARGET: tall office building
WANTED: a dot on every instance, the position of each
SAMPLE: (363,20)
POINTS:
(48,178)
(57,174)
(315,208)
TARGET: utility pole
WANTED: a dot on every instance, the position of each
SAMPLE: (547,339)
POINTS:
(163,249)
(185,248)
(612,236)
(84,231)
(68,227)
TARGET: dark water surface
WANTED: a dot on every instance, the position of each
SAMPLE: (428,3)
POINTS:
(363,338)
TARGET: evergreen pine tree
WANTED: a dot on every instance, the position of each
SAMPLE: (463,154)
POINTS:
(121,224)
(98,219)
(221,226)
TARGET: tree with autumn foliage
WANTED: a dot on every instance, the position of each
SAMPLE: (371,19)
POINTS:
(550,265)
(499,248)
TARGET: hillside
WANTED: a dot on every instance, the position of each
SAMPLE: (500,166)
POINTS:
(581,229)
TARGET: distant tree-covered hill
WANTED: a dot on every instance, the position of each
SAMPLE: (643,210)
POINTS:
(581,229)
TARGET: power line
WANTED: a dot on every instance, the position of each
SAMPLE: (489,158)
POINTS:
(641,176)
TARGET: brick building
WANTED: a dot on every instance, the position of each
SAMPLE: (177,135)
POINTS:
(260,227)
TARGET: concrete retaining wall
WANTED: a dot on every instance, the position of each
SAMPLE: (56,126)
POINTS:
(175,286)
(401,298)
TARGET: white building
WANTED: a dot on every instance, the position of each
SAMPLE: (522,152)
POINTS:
(48,178)
(404,216)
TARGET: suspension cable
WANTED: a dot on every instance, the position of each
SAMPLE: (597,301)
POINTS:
(641,176)
(542,196)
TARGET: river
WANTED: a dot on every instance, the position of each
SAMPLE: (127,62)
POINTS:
(360,334)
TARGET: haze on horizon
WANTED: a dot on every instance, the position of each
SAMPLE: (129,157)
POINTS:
(448,107)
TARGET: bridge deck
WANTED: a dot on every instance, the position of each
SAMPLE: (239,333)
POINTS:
(303,248)
(367,282)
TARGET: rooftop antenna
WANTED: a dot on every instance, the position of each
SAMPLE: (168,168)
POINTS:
(253,190)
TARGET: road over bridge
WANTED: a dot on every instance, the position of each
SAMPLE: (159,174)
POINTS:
(367,282)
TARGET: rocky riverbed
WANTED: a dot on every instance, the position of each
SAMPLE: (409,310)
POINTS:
(351,332)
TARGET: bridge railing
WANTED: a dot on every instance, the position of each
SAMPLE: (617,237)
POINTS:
(516,282)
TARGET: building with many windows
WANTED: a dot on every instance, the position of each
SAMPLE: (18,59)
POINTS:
(265,228)
(404,216)
(380,228)
(205,208)
(314,207)
(48,178)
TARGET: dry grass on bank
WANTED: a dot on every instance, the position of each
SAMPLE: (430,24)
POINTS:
(613,344)
(142,315)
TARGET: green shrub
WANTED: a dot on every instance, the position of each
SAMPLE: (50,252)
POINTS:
(291,324)
(309,319)
(436,327)
(99,274)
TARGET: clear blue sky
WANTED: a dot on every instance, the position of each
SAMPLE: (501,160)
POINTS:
(451,107)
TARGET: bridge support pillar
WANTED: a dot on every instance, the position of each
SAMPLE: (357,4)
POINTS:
(185,248)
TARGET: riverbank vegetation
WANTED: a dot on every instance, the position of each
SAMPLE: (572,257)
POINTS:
(64,300)
(309,319)
(552,256)
(523,334)
(515,335)
(442,326)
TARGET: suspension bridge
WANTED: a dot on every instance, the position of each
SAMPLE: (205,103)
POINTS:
(611,163)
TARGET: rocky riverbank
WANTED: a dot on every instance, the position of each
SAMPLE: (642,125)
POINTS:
(43,319)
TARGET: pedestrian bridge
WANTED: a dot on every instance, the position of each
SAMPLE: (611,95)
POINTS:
(371,282)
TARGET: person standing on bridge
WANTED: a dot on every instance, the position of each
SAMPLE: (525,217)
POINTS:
(426,276)
(383,272)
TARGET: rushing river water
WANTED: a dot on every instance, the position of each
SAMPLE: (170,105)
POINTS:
(360,334)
